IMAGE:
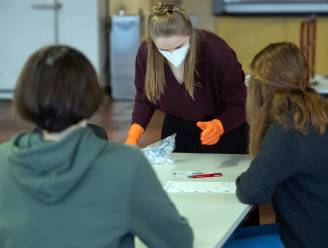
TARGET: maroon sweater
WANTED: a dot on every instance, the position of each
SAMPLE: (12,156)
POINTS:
(221,95)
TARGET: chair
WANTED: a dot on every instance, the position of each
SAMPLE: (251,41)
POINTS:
(308,30)
(256,237)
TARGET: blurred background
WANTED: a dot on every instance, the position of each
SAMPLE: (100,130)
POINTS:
(109,32)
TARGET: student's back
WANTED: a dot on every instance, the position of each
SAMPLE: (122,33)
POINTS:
(289,144)
(291,170)
(82,192)
(304,205)
(66,187)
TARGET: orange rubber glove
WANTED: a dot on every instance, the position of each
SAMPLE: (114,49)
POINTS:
(134,134)
(212,131)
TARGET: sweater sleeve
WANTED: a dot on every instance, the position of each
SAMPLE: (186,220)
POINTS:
(143,109)
(233,91)
(275,162)
(154,218)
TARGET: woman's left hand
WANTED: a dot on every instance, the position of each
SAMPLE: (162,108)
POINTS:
(211,131)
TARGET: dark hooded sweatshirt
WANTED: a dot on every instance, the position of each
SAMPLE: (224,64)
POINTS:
(82,192)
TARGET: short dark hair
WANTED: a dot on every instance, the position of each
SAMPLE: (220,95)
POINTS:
(57,88)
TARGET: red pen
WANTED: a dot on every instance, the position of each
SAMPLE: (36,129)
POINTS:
(216,174)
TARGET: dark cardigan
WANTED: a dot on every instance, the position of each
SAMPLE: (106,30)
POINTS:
(291,169)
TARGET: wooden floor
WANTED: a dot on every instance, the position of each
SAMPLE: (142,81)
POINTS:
(115,117)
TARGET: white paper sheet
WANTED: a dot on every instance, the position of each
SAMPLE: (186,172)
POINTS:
(200,187)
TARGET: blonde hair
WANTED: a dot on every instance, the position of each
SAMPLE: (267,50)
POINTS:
(279,84)
(168,20)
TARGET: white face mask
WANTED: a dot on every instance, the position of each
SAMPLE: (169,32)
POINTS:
(177,56)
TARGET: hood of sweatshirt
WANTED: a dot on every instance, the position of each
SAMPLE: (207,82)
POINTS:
(49,170)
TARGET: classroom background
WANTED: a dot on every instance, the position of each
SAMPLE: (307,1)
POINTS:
(110,31)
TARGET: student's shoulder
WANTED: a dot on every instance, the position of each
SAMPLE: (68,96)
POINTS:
(123,156)
(282,132)
(4,149)
(276,128)
(6,146)
(113,147)
(3,146)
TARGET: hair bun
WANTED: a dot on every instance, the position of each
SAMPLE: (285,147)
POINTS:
(159,9)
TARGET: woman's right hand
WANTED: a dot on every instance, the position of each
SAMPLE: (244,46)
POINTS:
(134,134)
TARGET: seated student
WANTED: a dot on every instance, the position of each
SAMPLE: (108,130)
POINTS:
(66,187)
(289,142)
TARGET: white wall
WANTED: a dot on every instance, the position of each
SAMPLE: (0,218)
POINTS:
(25,29)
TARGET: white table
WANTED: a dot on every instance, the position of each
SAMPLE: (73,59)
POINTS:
(212,216)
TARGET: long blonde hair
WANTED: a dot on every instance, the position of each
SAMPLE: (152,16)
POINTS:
(168,20)
(279,84)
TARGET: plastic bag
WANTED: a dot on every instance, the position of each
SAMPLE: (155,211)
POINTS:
(160,151)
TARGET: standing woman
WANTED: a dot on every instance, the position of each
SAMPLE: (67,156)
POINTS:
(194,77)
